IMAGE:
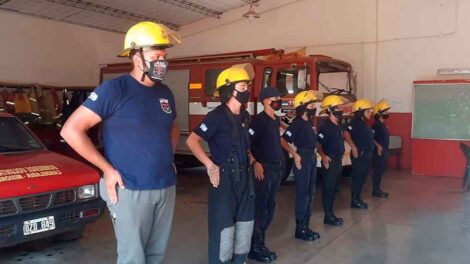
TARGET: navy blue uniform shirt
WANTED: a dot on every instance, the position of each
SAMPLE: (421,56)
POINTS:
(361,134)
(301,133)
(217,130)
(330,137)
(266,139)
(137,122)
(381,134)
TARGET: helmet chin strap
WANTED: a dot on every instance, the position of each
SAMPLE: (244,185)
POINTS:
(145,69)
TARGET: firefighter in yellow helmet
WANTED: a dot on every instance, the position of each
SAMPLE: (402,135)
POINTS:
(302,134)
(138,116)
(331,149)
(381,141)
(231,192)
(360,137)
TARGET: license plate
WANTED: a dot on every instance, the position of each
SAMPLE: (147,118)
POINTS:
(38,225)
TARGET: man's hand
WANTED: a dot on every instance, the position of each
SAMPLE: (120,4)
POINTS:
(297,161)
(111,178)
(325,160)
(214,175)
(379,150)
(259,171)
(355,152)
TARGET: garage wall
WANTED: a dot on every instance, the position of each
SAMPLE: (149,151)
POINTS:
(389,42)
(49,52)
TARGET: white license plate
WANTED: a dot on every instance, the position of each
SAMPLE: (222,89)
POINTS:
(38,225)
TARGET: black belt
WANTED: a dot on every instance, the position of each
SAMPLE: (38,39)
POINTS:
(306,150)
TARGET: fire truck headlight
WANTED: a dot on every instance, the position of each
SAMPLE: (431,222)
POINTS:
(86,192)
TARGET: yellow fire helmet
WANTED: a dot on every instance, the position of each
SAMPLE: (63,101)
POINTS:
(305,97)
(148,34)
(232,75)
(331,101)
(381,106)
(361,104)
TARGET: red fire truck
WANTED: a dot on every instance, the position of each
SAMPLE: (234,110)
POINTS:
(42,193)
(193,79)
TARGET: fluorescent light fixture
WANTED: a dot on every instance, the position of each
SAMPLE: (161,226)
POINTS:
(451,71)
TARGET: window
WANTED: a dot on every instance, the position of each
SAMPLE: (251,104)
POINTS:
(210,80)
(15,137)
(267,77)
(293,80)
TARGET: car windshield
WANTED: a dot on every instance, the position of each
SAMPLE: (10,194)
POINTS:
(14,136)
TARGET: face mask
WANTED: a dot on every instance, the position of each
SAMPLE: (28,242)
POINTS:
(243,97)
(276,105)
(311,112)
(157,70)
(385,116)
(338,114)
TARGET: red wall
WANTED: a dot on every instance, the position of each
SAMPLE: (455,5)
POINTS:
(425,156)
(437,158)
(399,124)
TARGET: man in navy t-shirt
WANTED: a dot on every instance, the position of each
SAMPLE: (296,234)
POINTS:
(137,115)
(267,155)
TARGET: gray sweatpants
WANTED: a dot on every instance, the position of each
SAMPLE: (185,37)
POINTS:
(142,223)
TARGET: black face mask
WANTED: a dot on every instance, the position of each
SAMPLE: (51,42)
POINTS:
(338,114)
(242,97)
(157,70)
(276,105)
(385,116)
(311,112)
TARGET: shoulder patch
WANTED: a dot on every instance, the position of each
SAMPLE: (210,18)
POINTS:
(93,96)
(203,127)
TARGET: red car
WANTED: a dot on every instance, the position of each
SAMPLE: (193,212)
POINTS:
(42,193)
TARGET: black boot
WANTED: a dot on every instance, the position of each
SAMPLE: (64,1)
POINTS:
(272,254)
(301,232)
(379,194)
(356,202)
(361,201)
(258,251)
(312,233)
(332,220)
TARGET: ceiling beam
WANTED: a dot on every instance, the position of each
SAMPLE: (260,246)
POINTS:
(110,11)
(194,7)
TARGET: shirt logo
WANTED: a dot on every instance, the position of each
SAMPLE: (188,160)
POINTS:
(289,134)
(93,96)
(165,106)
(251,131)
(203,127)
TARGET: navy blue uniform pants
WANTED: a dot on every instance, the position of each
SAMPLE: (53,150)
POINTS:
(266,191)
(231,214)
(330,184)
(379,164)
(305,180)
(360,167)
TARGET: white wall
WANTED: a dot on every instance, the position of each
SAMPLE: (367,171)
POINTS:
(389,42)
(49,52)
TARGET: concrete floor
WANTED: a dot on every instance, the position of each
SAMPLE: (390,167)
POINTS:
(426,220)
